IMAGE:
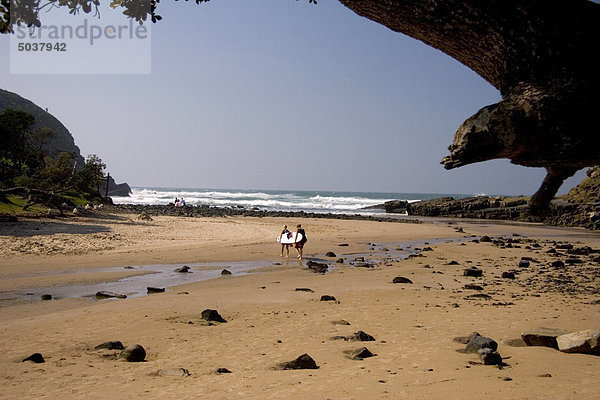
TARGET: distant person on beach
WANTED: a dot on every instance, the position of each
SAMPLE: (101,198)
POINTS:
(182,202)
(285,233)
(176,202)
(300,245)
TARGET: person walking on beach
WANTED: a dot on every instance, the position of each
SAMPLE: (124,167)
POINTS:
(287,234)
(300,245)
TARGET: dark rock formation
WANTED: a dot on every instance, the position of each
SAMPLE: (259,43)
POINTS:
(302,362)
(46,297)
(362,337)
(184,269)
(401,279)
(542,337)
(115,189)
(151,289)
(36,358)
(223,371)
(588,190)
(319,268)
(301,289)
(225,272)
(473,271)
(113,345)
(489,357)
(103,294)
(359,354)
(543,59)
(330,254)
(327,297)
(133,353)
(477,342)
(212,315)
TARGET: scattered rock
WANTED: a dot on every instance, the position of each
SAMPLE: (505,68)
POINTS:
(472,286)
(223,371)
(542,337)
(113,345)
(524,264)
(303,289)
(473,271)
(225,272)
(339,261)
(477,342)
(359,354)
(327,297)
(212,315)
(343,245)
(46,297)
(36,358)
(103,294)
(184,269)
(364,265)
(453,262)
(151,289)
(173,372)
(142,216)
(508,275)
(302,362)
(362,337)
(330,254)
(478,296)
(359,259)
(545,376)
(489,356)
(586,342)
(133,353)
(484,239)
(340,322)
(316,267)
(401,279)
(557,264)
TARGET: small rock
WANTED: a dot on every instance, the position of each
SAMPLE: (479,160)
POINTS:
(303,289)
(133,353)
(103,294)
(508,275)
(477,342)
(330,254)
(343,245)
(484,239)
(472,286)
(113,345)
(557,264)
(173,372)
(545,376)
(302,362)
(453,262)
(36,358)
(327,297)
(473,271)
(184,269)
(339,261)
(359,354)
(152,289)
(401,279)
(362,337)
(489,356)
(212,315)
(46,297)
(223,371)
(359,259)
(225,272)
(340,322)
(524,264)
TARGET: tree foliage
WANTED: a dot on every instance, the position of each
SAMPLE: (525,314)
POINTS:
(23,163)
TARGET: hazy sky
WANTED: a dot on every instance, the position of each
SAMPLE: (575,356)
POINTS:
(279,94)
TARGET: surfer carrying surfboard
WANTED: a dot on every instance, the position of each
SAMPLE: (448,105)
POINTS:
(300,245)
(285,234)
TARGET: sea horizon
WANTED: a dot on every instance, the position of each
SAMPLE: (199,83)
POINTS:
(317,201)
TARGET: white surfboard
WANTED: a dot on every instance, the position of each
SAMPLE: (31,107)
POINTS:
(290,238)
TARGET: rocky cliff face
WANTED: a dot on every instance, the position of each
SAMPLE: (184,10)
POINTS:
(63,140)
(588,191)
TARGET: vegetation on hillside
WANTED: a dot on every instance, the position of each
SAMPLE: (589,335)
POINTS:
(588,191)
(30,172)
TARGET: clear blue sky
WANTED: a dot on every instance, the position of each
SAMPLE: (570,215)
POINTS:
(279,94)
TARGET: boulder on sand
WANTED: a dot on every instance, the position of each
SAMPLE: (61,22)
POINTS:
(133,353)
(542,337)
(587,342)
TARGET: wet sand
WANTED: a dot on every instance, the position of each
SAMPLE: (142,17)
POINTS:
(269,322)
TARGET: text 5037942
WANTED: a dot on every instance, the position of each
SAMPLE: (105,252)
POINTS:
(42,46)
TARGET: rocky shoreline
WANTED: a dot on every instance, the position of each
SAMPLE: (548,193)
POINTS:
(212,211)
(561,213)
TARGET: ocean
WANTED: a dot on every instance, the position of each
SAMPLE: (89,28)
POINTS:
(275,200)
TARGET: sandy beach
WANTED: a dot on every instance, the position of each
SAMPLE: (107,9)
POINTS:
(269,321)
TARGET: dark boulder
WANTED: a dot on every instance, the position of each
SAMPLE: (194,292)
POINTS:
(302,362)
(133,353)
(152,289)
(46,297)
(359,354)
(103,294)
(225,272)
(473,271)
(327,297)
(401,279)
(508,275)
(184,269)
(36,358)
(113,345)
(212,315)
(542,337)
(362,337)
(477,342)
(523,264)
(489,357)
(330,254)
